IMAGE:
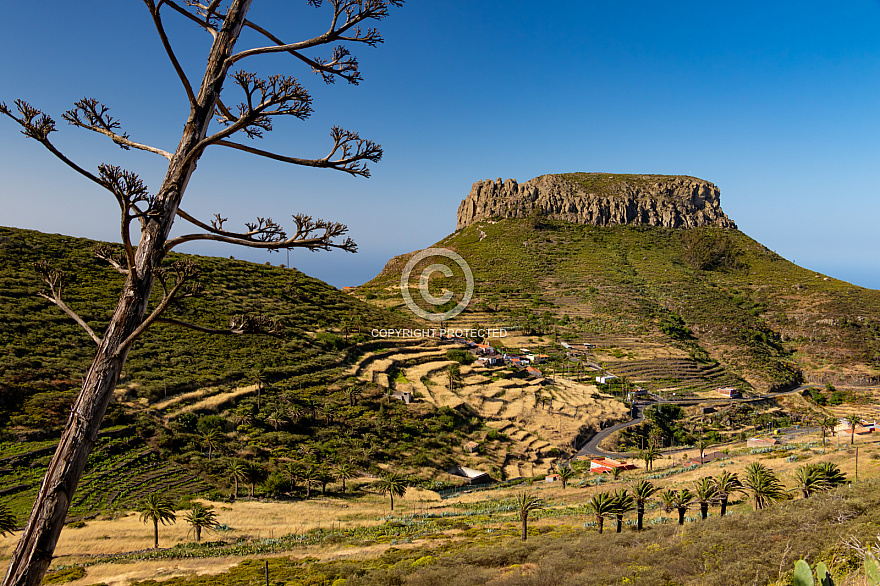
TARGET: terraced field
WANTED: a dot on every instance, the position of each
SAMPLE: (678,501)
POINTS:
(541,418)
(681,376)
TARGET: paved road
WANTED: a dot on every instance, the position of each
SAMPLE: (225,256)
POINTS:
(591,448)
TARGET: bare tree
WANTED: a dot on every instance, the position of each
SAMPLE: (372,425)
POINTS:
(264,100)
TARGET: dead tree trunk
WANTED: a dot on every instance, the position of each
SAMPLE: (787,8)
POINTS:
(32,556)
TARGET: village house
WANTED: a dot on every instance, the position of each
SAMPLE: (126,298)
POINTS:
(761,442)
(729,392)
(844,428)
(603,465)
(605,379)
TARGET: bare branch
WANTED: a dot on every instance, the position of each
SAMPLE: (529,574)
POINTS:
(179,272)
(342,63)
(55,280)
(90,114)
(38,126)
(278,95)
(107,253)
(353,151)
(314,234)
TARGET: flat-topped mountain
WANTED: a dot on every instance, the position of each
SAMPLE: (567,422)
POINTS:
(600,199)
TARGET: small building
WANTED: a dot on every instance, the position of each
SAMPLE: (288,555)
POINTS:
(534,372)
(637,393)
(566,346)
(844,427)
(605,379)
(729,392)
(707,457)
(602,465)
(403,395)
(491,360)
(553,478)
(472,476)
(471,447)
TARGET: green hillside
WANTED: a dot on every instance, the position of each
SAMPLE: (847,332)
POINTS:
(190,404)
(706,295)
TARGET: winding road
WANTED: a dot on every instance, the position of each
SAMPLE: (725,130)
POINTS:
(591,448)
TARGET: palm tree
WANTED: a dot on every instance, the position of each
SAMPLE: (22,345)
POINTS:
(725,485)
(237,472)
(353,394)
(392,484)
(668,499)
(309,475)
(705,493)
(157,507)
(643,490)
(828,424)
(650,454)
(200,517)
(682,501)
(211,439)
(616,472)
(763,484)
(702,444)
(275,419)
(809,478)
(7,520)
(623,504)
(526,502)
(325,477)
(854,421)
(453,375)
(345,471)
(255,473)
(565,474)
(832,474)
(602,506)
(259,378)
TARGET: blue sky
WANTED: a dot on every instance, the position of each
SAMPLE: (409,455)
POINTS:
(776,103)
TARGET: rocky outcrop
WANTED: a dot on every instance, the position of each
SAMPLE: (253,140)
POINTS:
(602,199)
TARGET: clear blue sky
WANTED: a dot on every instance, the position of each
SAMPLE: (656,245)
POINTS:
(776,103)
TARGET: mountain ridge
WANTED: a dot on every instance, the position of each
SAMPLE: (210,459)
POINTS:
(600,199)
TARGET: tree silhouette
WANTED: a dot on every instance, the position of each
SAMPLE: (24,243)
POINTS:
(601,506)
(727,484)
(623,503)
(565,474)
(526,503)
(392,484)
(211,439)
(345,471)
(147,217)
(682,501)
(238,472)
(854,421)
(705,493)
(643,490)
(157,508)
(828,424)
(7,520)
(763,484)
(200,517)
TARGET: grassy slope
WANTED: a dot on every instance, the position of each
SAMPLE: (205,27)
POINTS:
(762,316)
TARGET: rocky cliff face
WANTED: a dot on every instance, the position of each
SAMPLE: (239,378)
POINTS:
(602,199)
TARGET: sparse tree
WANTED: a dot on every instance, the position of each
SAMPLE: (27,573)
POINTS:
(763,484)
(526,503)
(616,472)
(211,439)
(667,497)
(682,501)
(623,504)
(200,517)
(649,455)
(601,506)
(210,122)
(726,485)
(565,474)
(7,520)
(828,424)
(833,476)
(706,494)
(453,376)
(309,476)
(853,421)
(255,473)
(808,479)
(392,484)
(157,508)
(643,490)
(238,472)
(345,471)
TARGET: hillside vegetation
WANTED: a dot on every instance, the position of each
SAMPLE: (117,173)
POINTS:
(710,297)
